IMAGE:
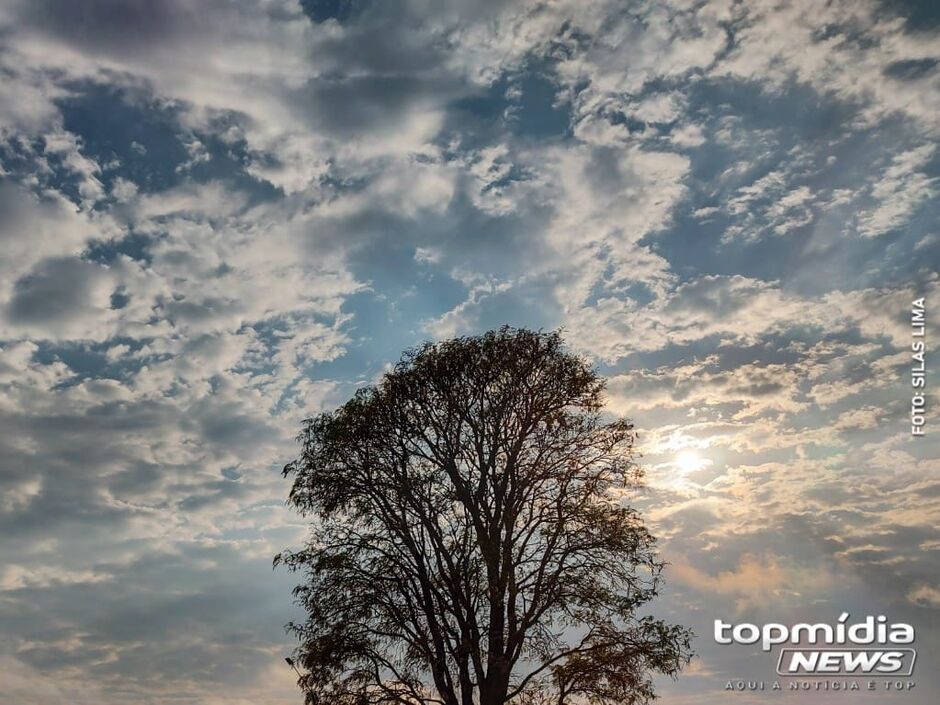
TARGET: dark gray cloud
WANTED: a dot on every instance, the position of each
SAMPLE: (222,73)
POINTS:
(122,28)
(54,293)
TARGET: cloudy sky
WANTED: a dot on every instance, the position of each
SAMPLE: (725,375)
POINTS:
(220,216)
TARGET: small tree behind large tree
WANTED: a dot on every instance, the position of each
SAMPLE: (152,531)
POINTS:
(471,541)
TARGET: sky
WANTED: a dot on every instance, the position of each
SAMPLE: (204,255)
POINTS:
(219,217)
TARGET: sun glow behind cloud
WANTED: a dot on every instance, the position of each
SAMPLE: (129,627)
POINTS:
(689,461)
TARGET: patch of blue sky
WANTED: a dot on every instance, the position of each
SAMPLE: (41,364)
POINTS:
(340,10)
(520,104)
(794,139)
(134,137)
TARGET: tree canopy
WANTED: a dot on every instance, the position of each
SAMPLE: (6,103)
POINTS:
(471,537)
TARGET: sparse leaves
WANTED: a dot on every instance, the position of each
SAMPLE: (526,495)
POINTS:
(468,544)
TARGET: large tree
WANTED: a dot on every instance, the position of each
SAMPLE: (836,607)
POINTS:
(471,537)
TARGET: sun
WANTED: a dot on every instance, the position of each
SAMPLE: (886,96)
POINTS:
(689,461)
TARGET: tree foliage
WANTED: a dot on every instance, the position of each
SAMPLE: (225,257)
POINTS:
(471,540)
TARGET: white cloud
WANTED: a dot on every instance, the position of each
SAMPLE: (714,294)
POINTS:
(829,48)
(902,188)
(35,227)
(739,309)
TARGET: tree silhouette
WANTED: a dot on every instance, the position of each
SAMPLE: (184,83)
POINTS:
(471,541)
